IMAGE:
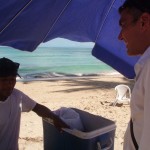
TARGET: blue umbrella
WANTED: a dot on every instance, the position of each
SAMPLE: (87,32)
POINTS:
(27,23)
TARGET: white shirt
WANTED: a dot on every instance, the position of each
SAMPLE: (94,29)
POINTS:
(10,113)
(140,106)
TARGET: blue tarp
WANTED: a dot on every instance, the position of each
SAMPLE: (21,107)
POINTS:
(27,23)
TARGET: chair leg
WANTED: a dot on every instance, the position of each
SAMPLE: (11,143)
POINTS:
(114,104)
(129,102)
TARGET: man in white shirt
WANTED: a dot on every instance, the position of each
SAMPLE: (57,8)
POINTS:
(135,32)
(12,103)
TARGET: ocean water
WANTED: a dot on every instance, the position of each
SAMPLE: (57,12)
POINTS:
(49,62)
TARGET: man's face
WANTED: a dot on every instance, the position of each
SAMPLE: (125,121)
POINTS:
(131,33)
(6,86)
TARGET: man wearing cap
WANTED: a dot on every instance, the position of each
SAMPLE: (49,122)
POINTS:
(135,32)
(12,103)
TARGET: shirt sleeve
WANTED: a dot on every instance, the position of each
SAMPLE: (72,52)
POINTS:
(27,104)
(144,142)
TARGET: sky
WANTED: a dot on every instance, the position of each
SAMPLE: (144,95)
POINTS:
(59,42)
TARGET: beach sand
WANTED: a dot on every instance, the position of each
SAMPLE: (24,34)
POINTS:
(92,94)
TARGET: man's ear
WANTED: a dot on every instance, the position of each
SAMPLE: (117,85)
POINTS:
(145,21)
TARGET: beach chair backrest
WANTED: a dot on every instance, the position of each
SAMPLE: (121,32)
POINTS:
(123,94)
(123,91)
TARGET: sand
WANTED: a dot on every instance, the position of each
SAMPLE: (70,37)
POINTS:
(92,94)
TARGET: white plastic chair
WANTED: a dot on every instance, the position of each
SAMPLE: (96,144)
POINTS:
(123,94)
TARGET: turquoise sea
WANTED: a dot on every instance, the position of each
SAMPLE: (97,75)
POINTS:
(49,62)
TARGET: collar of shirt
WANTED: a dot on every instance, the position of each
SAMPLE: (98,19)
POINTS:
(140,63)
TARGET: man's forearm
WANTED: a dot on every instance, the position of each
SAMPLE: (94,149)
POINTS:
(43,111)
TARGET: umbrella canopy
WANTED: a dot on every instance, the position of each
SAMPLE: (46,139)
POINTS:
(27,23)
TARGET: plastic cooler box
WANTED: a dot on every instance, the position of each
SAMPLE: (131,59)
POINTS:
(98,134)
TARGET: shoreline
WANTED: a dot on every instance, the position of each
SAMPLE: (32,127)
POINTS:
(67,77)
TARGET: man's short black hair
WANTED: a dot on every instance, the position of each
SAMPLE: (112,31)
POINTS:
(135,7)
(142,5)
(8,67)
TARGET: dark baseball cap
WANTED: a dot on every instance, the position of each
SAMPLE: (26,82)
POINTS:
(8,68)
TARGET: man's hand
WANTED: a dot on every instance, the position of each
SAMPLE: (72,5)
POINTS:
(59,124)
(47,113)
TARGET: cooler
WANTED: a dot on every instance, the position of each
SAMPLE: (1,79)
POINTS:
(98,135)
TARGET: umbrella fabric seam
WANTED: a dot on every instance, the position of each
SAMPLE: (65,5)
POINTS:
(56,20)
(15,16)
(104,20)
